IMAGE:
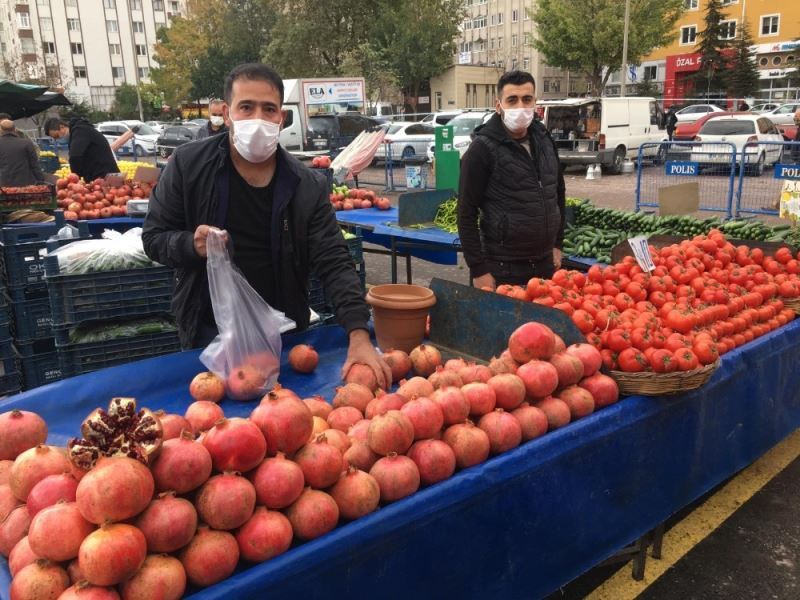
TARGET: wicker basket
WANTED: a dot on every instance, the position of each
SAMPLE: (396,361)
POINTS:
(793,303)
(663,384)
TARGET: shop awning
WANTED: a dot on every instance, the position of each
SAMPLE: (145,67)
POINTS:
(25,100)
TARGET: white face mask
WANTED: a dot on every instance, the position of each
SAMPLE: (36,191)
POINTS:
(254,139)
(517,119)
(217,121)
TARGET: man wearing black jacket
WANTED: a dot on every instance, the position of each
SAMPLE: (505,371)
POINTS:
(275,210)
(511,192)
(90,155)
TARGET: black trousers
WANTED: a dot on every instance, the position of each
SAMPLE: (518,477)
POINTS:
(519,272)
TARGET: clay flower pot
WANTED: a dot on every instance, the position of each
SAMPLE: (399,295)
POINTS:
(400,312)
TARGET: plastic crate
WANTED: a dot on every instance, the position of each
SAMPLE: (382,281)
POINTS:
(85,358)
(99,296)
(42,199)
(33,319)
(8,358)
(356,247)
(38,363)
(49,164)
(317,298)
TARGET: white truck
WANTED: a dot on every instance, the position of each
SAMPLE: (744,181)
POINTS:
(602,131)
(313,107)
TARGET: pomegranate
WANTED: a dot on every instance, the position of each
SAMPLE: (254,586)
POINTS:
(509,390)
(481,398)
(455,406)
(360,455)
(172,425)
(444,377)
(207,387)
(56,532)
(475,373)
(532,420)
(435,460)
(33,465)
(74,572)
(399,362)
(426,417)
(569,368)
(353,394)
(40,580)
(226,501)
(540,378)
(603,389)
(397,477)
(321,462)
(278,482)
(235,444)
(532,341)
(356,494)
(266,534)
(8,501)
(359,430)
(425,359)
(415,387)
(50,490)
(246,382)
(168,523)
(210,557)
(318,406)
(20,430)
(319,425)
(502,365)
(557,412)
(588,355)
(338,439)
(21,556)
(202,415)
(118,488)
(383,403)
(5,471)
(183,465)
(455,364)
(285,421)
(579,401)
(281,392)
(390,432)
(560,345)
(13,528)
(111,554)
(344,417)
(83,590)
(362,374)
(470,444)
(303,358)
(503,429)
(161,577)
(313,514)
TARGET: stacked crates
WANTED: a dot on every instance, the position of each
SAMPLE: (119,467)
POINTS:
(9,372)
(318,300)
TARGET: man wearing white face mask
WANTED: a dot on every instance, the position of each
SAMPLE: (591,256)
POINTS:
(216,120)
(276,211)
(511,198)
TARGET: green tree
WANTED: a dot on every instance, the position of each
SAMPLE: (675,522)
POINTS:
(586,35)
(126,104)
(743,75)
(81,108)
(712,73)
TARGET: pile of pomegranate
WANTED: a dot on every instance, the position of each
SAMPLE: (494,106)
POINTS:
(704,298)
(145,503)
(95,199)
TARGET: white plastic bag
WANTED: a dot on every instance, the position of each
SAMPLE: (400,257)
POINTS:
(246,353)
(115,252)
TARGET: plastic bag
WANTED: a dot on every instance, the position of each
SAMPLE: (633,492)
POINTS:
(114,252)
(246,353)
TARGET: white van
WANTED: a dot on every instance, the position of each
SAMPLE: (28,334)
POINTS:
(602,131)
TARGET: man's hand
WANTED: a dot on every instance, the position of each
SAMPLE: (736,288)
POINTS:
(557,256)
(484,281)
(201,239)
(362,351)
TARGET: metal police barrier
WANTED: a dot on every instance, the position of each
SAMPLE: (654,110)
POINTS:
(711,165)
(764,169)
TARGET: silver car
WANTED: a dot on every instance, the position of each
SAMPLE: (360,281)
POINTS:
(784,114)
(408,140)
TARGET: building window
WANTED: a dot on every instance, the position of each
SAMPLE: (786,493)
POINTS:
(526,63)
(46,23)
(73,25)
(726,2)
(776,60)
(514,40)
(499,18)
(688,35)
(136,4)
(514,15)
(112,27)
(525,12)
(43,2)
(513,63)
(144,72)
(28,45)
(49,47)
(770,24)
(141,50)
(650,72)
(80,72)
(158,5)
(500,42)
(114,49)
(71,3)
(467,24)
(491,44)
(763,61)
(24,20)
(727,29)
(479,22)
(118,72)
(174,6)
(492,21)
(138,27)
(76,47)
(691,4)
(110,4)
(466,46)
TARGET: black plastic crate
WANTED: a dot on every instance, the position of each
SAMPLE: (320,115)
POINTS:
(318,300)
(356,247)
(30,307)
(8,358)
(85,358)
(98,296)
(38,363)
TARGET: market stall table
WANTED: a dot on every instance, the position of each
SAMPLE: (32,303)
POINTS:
(521,524)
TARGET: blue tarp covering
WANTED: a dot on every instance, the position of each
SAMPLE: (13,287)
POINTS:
(521,524)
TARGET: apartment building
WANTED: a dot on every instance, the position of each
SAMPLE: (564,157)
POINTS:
(495,37)
(87,47)
(774,26)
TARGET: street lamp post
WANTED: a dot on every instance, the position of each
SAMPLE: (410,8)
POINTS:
(622,89)
(709,71)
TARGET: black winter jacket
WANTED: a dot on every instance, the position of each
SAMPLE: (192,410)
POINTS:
(193,191)
(90,154)
(519,197)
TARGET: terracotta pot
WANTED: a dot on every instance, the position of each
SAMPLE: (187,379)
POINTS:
(400,312)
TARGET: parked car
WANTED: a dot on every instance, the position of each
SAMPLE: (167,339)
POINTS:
(332,132)
(157,126)
(744,131)
(784,114)
(144,139)
(440,118)
(464,125)
(407,140)
(763,108)
(174,136)
(686,130)
(695,111)
(198,122)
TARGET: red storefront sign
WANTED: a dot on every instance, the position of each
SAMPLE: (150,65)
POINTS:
(676,83)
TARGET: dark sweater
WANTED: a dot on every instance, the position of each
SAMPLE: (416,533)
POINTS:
(90,154)
(19,163)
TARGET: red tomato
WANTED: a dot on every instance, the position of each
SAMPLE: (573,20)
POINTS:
(610,359)
(680,321)
(632,361)
(783,255)
(663,361)
(687,360)
(583,321)
(618,340)
(706,351)
(641,338)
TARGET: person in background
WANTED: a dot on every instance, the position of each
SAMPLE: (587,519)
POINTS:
(744,106)
(19,160)
(216,120)
(796,145)
(671,121)
(90,154)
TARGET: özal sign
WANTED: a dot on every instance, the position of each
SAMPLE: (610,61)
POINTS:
(684,168)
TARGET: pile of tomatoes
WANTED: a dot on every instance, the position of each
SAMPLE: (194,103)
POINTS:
(704,298)
(96,200)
